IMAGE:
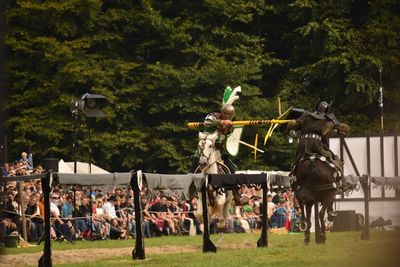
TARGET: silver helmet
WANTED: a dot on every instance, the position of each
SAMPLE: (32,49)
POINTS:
(323,107)
(227,112)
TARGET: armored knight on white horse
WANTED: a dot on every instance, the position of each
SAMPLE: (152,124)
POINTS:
(211,156)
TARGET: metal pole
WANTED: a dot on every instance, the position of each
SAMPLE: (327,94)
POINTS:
(75,148)
(90,154)
(381,97)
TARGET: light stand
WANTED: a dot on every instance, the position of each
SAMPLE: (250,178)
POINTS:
(90,106)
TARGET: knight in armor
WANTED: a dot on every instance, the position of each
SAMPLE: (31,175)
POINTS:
(222,123)
(314,129)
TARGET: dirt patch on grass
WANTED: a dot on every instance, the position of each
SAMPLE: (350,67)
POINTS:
(91,255)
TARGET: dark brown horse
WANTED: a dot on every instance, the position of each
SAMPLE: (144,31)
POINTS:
(315,183)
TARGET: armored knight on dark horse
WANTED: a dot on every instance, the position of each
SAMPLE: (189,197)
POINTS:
(317,171)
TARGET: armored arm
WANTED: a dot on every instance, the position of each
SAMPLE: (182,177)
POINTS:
(335,128)
(343,129)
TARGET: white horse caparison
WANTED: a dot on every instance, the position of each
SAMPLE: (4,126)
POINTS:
(210,161)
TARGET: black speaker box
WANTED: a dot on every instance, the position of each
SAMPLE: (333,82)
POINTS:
(345,221)
(50,164)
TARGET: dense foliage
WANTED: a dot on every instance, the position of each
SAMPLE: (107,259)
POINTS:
(163,63)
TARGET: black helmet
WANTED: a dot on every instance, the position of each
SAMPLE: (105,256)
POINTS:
(323,107)
(227,112)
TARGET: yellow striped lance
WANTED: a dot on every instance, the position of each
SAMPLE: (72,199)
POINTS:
(273,126)
(244,123)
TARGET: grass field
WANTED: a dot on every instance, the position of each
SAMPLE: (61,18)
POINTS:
(341,249)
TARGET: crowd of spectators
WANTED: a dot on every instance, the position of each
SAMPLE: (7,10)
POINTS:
(108,213)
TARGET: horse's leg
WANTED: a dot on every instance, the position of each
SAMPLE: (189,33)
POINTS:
(322,236)
(221,198)
(326,206)
(317,226)
(308,220)
(225,214)
(303,223)
(227,203)
(199,212)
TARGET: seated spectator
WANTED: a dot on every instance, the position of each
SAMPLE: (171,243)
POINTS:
(119,206)
(159,214)
(192,215)
(174,215)
(9,226)
(61,230)
(188,226)
(130,213)
(82,223)
(249,215)
(6,170)
(148,221)
(279,216)
(27,161)
(100,224)
(270,209)
(109,208)
(116,232)
(277,197)
(35,221)
(66,208)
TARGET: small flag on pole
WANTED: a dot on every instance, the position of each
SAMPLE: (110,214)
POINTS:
(380,97)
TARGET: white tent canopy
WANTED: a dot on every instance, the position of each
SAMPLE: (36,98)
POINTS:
(81,168)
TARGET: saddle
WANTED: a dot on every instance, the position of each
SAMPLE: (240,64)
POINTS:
(338,169)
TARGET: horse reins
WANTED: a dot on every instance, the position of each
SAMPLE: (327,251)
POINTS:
(202,147)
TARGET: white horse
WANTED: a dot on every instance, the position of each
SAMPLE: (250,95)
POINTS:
(210,161)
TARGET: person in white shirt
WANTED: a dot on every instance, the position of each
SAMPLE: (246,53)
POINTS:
(55,213)
(270,208)
(109,208)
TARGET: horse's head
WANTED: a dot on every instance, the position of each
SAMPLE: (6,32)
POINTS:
(206,148)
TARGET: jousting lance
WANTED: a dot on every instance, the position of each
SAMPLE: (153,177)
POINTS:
(243,123)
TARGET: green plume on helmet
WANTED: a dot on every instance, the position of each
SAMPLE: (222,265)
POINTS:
(227,94)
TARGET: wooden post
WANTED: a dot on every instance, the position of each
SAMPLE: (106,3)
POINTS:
(45,260)
(365,184)
(208,245)
(22,210)
(138,253)
(263,241)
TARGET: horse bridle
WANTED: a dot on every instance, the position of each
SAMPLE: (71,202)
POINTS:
(202,147)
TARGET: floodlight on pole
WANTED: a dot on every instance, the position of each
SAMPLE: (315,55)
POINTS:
(89,105)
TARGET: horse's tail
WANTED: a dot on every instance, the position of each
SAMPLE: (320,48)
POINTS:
(304,195)
(312,164)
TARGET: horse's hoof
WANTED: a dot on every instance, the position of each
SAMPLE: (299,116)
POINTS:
(303,226)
